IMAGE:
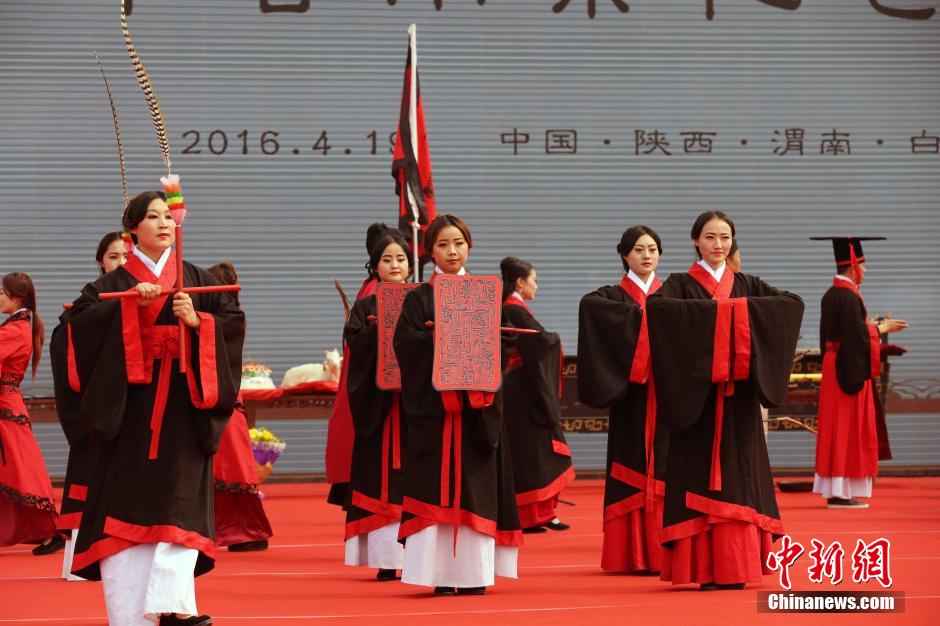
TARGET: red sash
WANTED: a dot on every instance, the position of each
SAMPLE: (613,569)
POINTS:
(453,435)
(145,342)
(391,433)
(641,371)
(726,366)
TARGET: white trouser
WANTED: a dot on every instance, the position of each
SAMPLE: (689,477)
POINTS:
(378,548)
(147,580)
(841,487)
(67,558)
(430,559)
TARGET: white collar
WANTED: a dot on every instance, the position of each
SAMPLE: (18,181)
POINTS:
(23,308)
(716,274)
(156,268)
(845,278)
(438,270)
(515,294)
(639,281)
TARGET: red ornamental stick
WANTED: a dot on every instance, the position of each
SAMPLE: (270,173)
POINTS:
(180,284)
(133,293)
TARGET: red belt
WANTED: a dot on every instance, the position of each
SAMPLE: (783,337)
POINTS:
(164,345)
(727,367)
(391,433)
(453,433)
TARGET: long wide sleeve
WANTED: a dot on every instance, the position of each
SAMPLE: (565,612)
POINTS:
(368,404)
(608,329)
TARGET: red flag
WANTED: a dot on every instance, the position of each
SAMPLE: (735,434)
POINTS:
(411,160)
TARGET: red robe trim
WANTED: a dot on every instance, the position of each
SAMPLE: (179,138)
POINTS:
(641,371)
(74,381)
(731,317)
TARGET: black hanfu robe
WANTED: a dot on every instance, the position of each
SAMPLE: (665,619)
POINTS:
(541,460)
(459,468)
(720,350)
(156,429)
(847,442)
(83,454)
(614,372)
(380,426)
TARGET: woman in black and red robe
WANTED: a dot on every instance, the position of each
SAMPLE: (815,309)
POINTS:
(110,255)
(27,504)
(147,525)
(374,512)
(241,524)
(340,436)
(614,372)
(475,490)
(847,444)
(541,460)
(722,344)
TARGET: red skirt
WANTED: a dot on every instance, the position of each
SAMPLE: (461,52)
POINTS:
(632,540)
(726,552)
(847,443)
(239,514)
(27,505)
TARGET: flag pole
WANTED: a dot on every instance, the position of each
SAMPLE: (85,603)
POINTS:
(413,123)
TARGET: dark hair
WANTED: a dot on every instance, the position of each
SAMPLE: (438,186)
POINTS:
(440,223)
(513,268)
(103,246)
(705,218)
(392,236)
(629,239)
(373,233)
(734,247)
(136,209)
(225,273)
(20,285)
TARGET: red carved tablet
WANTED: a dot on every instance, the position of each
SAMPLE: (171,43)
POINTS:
(389,299)
(467,311)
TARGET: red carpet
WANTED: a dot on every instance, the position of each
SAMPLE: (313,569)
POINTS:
(301,579)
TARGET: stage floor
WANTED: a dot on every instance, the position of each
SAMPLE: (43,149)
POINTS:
(301,579)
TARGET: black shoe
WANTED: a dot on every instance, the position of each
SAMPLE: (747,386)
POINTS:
(845,503)
(444,591)
(557,524)
(531,530)
(732,586)
(195,620)
(249,546)
(386,575)
(57,543)
(471,591)
(708,587)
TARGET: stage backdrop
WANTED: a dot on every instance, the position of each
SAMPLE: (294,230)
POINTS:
(553,125)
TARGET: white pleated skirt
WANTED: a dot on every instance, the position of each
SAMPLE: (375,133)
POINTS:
(430,560)
(841,487)
(378,548)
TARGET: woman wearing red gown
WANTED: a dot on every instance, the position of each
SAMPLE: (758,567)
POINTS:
(240,521)
(27,506)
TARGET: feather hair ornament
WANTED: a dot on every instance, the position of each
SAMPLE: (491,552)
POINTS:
(171,182)
(117,129)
